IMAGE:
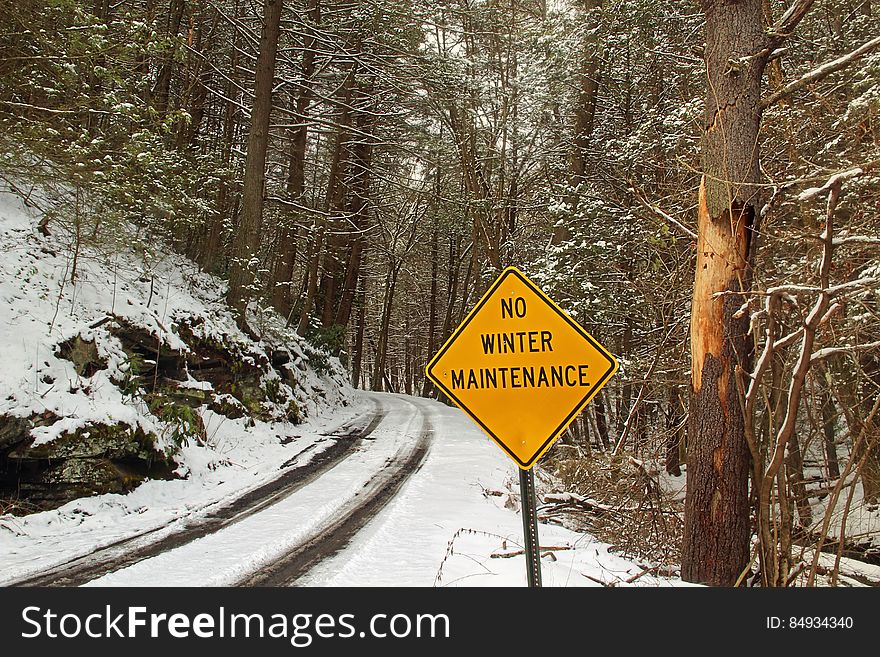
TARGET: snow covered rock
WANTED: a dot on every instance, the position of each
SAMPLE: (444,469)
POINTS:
(93,459)
(134,368)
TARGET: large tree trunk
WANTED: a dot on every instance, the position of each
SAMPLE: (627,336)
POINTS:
(674,433)
(870,365)
(358,350)
(715,548)
(208,258)
(162,88)
(358,206)
(428,385)
(287,242)
(380,376)
(340,227)
(247,239)
(829,418)
(334,208)
(601,422)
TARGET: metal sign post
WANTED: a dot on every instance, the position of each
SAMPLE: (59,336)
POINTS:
(530,526)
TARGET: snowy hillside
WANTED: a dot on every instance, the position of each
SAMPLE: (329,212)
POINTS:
(137,371)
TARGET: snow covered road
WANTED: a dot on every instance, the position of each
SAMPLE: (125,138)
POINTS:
(421,497)
(456,523)
(248,551)
(143,545)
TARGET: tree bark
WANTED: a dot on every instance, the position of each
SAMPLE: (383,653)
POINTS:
(333,205)
(287,242)
(323,280)
(407,357)
(428,387)
(829,418)
(203,42)
(162,89)
(214,230)
(601,422)
(715,547)
(358,206)
(379,374)
(794,470)
(585,111)
(358,355)
(870,475)
(247,238)
(674,433)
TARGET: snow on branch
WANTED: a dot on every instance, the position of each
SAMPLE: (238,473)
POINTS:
(789,20)
(857,239)
(864,282)
(669,219)
(832,182)
(822,71)
(830,351)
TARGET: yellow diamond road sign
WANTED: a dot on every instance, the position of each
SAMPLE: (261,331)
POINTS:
(520,367)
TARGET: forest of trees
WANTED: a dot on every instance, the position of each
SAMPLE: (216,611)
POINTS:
(696,183)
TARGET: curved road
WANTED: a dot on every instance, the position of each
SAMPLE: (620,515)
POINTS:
(145,545)
(337,533)
(276,534)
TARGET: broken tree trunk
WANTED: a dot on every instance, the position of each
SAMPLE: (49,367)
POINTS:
(715,547)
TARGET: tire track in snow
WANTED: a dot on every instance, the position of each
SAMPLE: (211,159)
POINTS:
(133,549)
(334,536)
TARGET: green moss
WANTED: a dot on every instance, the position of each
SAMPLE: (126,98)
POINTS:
(227,405)
(96,474)
(114,441)
(250,393)
(293,412)
(330,339)
(272,391)
(130,383)
(94,459)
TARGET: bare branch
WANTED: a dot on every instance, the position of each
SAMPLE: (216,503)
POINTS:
(864,282)
(799,374)
(669,219)
(857,239)
(830,351)
(629,420)
(788,22)
(832,182)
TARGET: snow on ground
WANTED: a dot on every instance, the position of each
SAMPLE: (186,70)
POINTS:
(148,287)
(448,526)
(440,530)
(151,289)
(241,459)
(446,523)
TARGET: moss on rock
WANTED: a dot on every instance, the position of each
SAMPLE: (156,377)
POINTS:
(94,459)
